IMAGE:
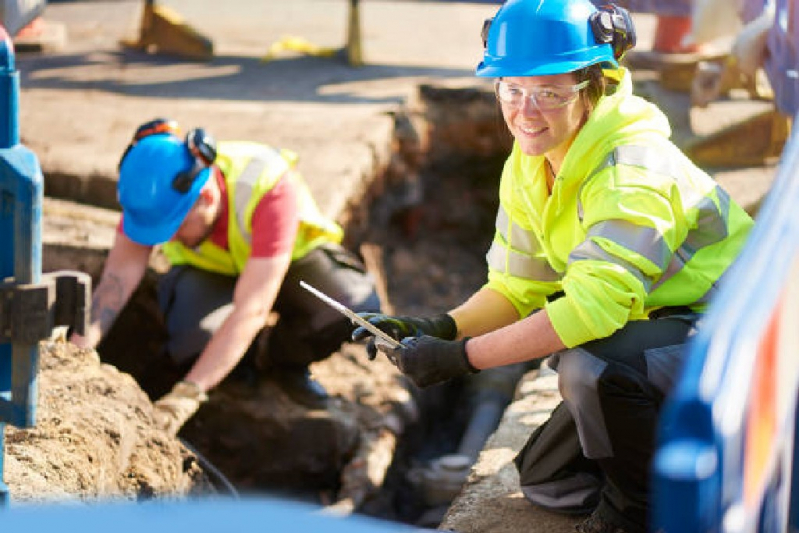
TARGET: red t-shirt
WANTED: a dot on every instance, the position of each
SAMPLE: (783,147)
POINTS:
(274,221)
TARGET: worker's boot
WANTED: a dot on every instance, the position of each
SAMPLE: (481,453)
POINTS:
(298,385)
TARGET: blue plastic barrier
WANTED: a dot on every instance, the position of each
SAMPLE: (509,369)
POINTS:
(725,461)
(197,516)
(21,192)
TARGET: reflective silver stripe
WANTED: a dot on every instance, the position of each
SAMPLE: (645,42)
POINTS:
(609,161)
(676,264)
(653,160)
(712,229)
(520,238)
(244,186)
(515,251)
(647,158)
(645,241)
(589,250)
(503,258)
(712,219)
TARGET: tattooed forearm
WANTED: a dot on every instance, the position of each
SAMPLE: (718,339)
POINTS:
(109,298)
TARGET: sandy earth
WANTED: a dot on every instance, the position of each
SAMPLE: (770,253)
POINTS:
(94,438)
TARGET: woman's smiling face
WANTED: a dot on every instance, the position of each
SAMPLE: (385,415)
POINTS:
(551,129)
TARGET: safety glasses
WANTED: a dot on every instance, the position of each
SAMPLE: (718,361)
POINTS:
(544,97)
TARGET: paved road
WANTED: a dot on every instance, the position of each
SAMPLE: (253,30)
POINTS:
(80,105)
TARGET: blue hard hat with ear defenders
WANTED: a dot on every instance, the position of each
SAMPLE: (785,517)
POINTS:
(543,37)
(160,180)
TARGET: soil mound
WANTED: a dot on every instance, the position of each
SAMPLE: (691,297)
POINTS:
(94,438)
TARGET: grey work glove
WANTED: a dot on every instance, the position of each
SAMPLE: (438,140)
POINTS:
(399,327)
(428,360)
(172,410)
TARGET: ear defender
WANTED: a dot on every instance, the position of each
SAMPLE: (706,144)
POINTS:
(613,25)
(201,145)
(484,31)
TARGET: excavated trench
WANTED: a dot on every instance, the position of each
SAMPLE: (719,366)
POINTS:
(425,226)
(434,255)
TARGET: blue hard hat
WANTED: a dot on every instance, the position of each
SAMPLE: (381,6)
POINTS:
(159,182)
(541,37)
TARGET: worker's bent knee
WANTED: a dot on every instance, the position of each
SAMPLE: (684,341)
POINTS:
(579,373)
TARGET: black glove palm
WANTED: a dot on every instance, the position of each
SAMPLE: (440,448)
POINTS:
(427,360)
(399,327)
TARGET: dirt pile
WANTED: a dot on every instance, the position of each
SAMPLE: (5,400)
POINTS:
(94,438)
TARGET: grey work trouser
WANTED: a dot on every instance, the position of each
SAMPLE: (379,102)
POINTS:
(595,450)
(195,303)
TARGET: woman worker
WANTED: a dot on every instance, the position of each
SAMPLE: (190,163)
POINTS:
(609,244)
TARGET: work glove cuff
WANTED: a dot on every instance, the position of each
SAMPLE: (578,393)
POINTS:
(172,410)
(189,390)
(428,360)
(442,326)
(468,364)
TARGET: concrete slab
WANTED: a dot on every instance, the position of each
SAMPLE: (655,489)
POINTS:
(491,500)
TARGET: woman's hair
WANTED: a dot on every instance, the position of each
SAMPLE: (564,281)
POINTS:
(597,83)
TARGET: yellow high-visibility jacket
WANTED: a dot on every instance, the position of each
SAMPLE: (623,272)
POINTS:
(251,170)
(631,225)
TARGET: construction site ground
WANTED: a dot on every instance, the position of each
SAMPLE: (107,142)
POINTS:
(360,133)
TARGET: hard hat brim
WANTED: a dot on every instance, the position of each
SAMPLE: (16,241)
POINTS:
(499,68)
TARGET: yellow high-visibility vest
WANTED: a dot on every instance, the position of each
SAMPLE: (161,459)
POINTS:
(251,170)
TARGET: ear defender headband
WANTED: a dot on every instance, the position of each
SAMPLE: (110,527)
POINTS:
(203,149)
(200,145)
(613,25)
(484,31)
